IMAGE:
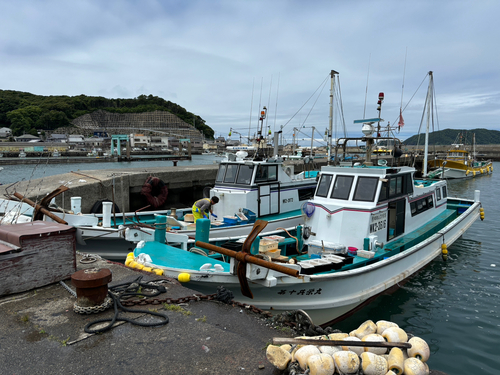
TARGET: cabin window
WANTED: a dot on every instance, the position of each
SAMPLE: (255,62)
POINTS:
(230,176)
(366,189)
(421,205)
(430,201)
(306,194)
(221,173)
(438,194)
(445,193)
(266,173)
(396,186)
(342,187)
(324,185)
(245,174)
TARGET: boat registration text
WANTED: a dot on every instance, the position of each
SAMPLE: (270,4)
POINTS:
(378,221)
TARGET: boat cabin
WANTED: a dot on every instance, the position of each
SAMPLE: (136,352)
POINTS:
(263,187)
(365,207)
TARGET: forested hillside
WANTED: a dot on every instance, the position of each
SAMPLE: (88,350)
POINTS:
(449,136)
(24,113)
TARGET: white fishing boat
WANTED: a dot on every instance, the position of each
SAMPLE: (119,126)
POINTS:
(366,229)
(393,224)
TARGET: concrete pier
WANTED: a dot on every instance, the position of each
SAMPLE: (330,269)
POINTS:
(41,334)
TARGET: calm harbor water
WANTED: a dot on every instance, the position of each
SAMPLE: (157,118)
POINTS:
(453,305)
(21,172)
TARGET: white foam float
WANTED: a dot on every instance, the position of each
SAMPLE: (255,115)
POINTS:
(373,364)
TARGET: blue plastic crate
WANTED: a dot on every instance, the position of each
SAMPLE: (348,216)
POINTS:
(229,220)
(250,215)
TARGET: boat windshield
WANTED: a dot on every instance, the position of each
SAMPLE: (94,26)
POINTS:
(266,173)
(324,185)
(235,173)
(366,189)
(245,174)
(342,187)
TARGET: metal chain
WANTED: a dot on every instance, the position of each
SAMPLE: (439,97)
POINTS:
(176,301)
(93,309)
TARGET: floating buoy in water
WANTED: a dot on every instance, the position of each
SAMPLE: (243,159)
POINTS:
(364,329)
(304,353)
(321,364)
(278,356)
(382,325)
(372,349)
(419,349)
(413,366)
(396,361)
(395,334)
(373,364)
(346,362)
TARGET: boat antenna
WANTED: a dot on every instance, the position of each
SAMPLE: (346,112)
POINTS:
(251,108)
(276,107)
(268,133)
(401,122)
(367,77)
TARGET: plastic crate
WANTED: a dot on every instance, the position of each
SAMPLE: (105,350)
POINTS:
(232,245)
(250,215)
(230,220)
(366,254)
(275,253)
(265,246)
(274,238)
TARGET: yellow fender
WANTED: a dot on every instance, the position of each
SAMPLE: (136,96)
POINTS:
(467,172)
(444,251)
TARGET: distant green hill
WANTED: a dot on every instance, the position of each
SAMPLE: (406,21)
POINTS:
(449,136)
(23,112)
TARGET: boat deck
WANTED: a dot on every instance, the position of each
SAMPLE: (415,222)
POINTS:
(178,258)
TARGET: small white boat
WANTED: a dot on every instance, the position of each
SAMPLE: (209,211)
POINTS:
(22,154)
(56,153)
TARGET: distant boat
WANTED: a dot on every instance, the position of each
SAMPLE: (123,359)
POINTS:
(22,154)
(56,153)
(206,152)
(459,163)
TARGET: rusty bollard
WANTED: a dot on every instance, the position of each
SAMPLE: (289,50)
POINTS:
(91,286)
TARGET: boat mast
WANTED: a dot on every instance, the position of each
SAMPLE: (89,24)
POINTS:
(429,104)
(330,125)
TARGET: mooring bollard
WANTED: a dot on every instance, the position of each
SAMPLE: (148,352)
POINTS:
(91,286)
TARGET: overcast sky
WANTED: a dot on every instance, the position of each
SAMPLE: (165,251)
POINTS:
(224,60)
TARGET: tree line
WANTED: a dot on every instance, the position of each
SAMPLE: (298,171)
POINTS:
(25,113)
(448,137)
